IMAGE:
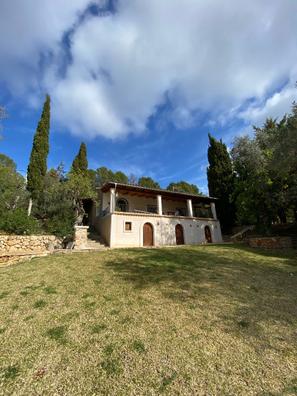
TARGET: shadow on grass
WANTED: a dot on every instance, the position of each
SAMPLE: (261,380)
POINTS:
(287,254)
(241,287)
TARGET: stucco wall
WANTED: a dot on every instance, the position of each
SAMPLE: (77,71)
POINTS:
(29,243)
(103,227)
(164,229)
(105,199)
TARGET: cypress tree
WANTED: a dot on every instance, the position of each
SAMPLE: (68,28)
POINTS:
(80,162)
(221,181)
(37,167)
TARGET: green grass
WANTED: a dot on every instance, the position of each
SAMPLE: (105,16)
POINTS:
(205,320)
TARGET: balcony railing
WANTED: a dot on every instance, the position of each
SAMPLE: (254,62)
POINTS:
(202,213)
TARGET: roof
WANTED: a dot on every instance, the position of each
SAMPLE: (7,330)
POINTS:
(147,190)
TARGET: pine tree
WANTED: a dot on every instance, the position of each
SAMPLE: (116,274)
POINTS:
(221,181)
(37,167)
(80,162)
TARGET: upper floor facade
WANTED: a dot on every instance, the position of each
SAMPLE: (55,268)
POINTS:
(124,198)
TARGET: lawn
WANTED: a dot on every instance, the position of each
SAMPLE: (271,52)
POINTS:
(205,320)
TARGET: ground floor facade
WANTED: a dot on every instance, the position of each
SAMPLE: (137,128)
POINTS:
(121,229)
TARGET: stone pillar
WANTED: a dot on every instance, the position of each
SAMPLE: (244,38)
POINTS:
(81,237)
(112,204)
(159,203)
(190,207)
(213,210)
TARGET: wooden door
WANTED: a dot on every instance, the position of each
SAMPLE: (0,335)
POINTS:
(148,235)
(179,234)
(207,234)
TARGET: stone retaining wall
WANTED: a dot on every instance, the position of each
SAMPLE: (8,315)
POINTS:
(271,242)
(29,243)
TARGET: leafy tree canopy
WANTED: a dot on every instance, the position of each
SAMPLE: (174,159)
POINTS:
(183,186)
(120,177)
(105,175)
(12,186)
(148,182)
(7,162)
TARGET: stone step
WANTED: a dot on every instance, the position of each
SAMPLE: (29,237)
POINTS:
(92,242)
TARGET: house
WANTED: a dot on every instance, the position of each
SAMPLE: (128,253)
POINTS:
(133,216)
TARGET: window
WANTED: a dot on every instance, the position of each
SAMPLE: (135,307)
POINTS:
(152,208)
(181,212)
(122,205)
(128,226)
(202,210)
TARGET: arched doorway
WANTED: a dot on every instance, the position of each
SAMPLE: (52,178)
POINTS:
(148,235)
(207,232)
(179,234)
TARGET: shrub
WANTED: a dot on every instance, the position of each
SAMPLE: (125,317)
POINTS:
(17,222)
(60,225)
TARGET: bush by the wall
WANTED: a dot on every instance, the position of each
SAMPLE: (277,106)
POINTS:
(61,226)
(17,222)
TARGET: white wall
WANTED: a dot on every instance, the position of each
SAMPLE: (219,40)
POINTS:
(164,230)
(103,226)
(105,200)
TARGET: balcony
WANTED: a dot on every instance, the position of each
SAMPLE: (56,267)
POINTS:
(135,201)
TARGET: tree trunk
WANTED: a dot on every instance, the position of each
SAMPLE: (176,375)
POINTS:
(282,215)
(30,207)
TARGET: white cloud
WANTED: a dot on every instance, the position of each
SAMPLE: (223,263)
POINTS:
(201,56)
(276,106)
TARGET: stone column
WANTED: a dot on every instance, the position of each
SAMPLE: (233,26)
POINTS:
(159,203)
(213,210)
(190,207)
(112,204)
(81,237)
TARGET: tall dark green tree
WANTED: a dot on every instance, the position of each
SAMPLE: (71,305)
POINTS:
(80,162)
(37,167)
(221,181)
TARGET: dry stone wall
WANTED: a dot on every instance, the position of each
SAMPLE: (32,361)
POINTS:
(271,242)
(29,243)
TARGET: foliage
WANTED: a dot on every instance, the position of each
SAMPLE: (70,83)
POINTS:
(13,200)
(60,206)
(148,182)
(221,181)
(12,186)
(266,168)
(183,186)
(120,177)
(79,187)
(37,167)
(105,175)
(17,221)
(7,162)
(80,162)
(55,206)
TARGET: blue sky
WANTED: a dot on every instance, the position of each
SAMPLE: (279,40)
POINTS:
(143,82)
